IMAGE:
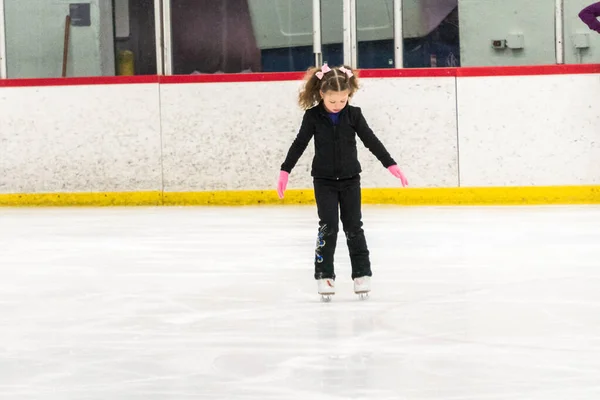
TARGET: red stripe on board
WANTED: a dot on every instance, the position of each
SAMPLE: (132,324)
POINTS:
(407,73)
(292,76)
(528,70)
(90,80)
(246,77)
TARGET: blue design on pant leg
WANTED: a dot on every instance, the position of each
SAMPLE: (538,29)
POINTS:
(320,244)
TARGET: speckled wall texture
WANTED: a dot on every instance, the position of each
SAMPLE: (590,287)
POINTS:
(529,130)
(230,136)
(415,118)
(532,130)
(97,138)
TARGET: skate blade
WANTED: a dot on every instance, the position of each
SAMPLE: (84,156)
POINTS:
(326,298)
(363,295)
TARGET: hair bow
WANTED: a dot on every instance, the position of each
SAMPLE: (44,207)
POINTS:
(346,71)
(324,69)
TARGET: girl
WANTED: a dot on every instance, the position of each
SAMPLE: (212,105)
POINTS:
(336,170)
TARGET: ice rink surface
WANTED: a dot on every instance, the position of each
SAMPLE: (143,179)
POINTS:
(469,303)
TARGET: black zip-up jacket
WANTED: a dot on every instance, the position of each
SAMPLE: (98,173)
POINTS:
(335,146)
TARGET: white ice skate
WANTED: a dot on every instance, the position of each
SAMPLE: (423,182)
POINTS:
(326,288)
(362,286)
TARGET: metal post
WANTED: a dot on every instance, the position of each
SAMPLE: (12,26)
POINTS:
(158,36)
(560,32)
(167,38)
(3,71)
(398,35)
(317,49)
(353,35)
(347,32)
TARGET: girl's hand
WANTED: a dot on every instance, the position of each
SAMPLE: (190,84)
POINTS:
(395,170)
(282,183)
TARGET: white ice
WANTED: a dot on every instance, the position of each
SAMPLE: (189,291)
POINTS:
(474,303)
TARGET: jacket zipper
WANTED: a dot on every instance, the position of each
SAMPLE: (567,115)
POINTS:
(336,169)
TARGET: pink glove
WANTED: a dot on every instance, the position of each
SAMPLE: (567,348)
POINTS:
(395,170)
(282,183)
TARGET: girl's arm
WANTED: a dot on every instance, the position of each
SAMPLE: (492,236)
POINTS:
(589,16)
(365,133)
(299,145)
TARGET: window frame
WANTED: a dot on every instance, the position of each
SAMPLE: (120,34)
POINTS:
(3,72)
(163,35)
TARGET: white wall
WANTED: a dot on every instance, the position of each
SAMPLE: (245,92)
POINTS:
(97,138)
(415,118)
(529,130)
(219,136)
(227,136)
(513,130)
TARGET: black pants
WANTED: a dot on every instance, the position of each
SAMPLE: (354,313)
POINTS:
(345,196)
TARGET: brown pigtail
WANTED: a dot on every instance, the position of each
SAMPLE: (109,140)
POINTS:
(352,81)
(309,95)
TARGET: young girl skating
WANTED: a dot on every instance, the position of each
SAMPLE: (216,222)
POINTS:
(336,170)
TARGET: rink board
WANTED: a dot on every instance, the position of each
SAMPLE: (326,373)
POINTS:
(54,139)
(461,135)
(406,197)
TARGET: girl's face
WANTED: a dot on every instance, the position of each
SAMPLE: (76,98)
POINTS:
(335,101)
